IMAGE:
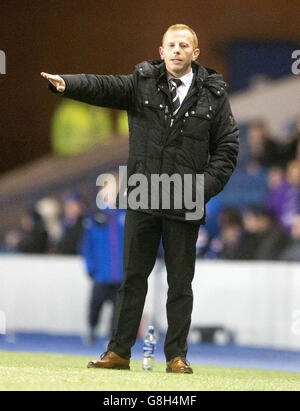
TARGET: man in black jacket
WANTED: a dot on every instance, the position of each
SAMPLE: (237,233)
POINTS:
(180,124)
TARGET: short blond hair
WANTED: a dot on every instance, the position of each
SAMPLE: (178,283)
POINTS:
(182,27)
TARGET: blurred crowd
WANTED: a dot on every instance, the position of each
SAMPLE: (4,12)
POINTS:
(49,226)
(266,231)
(269,230)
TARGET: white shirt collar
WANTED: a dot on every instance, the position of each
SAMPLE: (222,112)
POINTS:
(186,79)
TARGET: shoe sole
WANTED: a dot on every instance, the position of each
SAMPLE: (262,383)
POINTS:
(119,368)
(111,368)
(179,372)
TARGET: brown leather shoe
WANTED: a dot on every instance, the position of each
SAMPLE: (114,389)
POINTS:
(179,365)
(110,360)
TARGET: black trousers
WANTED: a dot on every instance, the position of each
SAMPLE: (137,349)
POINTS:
(102,292)
(141,241)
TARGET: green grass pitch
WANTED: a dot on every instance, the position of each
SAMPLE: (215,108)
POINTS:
(26,371)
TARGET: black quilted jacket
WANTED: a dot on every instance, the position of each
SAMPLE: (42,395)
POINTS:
(203,137)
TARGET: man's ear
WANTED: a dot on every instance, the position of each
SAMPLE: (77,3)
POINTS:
(196,54)
(161,52)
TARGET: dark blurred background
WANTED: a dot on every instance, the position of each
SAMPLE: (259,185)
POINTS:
(111,37)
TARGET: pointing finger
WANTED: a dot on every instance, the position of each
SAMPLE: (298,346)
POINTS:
(47,76)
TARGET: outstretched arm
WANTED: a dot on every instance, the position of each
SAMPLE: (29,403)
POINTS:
(106,91)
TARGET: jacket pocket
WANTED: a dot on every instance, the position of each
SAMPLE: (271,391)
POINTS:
(196,124)
(153,104)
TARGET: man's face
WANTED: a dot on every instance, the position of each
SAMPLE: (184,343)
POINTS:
(178,52)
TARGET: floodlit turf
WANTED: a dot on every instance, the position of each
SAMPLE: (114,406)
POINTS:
(26,371)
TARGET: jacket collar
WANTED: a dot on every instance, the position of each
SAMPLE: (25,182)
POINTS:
(204,76)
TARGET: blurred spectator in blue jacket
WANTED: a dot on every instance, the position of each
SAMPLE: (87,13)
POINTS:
(102,249)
